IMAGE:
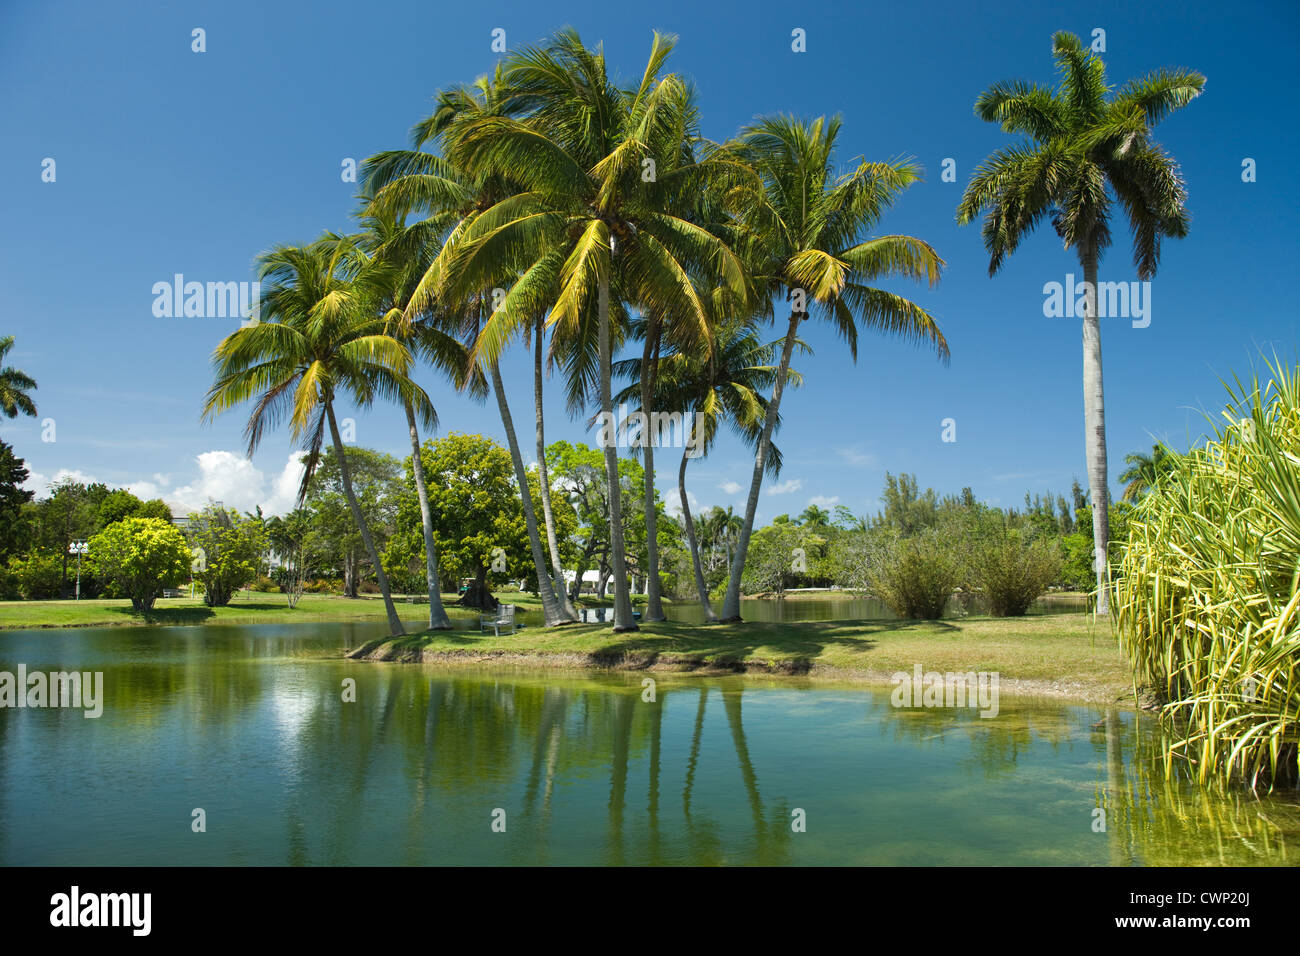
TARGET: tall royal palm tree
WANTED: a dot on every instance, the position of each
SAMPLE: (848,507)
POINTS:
(14,385)
(319,338)
(578,152)
(1083,150)
(802,233)
(452,197)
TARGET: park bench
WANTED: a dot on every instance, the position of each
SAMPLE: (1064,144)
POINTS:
(504,616)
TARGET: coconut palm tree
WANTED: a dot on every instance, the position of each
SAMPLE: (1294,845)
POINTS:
(452,198)
(1145,471)
(815,517)
(1083,150)
(319,339)
(802,232)
(14,385)
(406,252)
(725,385)
(585,216)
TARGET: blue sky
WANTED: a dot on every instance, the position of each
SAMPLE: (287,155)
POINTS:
(170,161)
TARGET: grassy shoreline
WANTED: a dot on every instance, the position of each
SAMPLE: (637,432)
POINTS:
(1059,655)
(249,607)
(1063,655)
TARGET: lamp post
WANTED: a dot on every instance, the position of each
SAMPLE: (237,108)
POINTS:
(78,548)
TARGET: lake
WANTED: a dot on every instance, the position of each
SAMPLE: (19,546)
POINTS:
(249,724)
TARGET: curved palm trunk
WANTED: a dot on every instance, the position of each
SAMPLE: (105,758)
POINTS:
(1094,414)
(622,598)
(544,481)
(438,620)
(394,622)
(654,610)
(709,616)
(550,605)
(731,605)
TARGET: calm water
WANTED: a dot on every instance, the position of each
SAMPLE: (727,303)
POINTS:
(248,723)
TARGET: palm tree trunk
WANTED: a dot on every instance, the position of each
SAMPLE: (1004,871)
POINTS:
(709,616)
(394,622)
(438,620)
(1094,407)
(731,605)
(544,481)
(622,599)
(550,605)
(649,364)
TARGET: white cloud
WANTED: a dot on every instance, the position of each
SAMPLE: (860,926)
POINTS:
(785,487)
(222,476)
(41,484)
(858,455)
(233,480)
(822,501)
(730,487)
(674,504)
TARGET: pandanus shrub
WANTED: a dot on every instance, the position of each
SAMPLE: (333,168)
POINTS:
(1209,589)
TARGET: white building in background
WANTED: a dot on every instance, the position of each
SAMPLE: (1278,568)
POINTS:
(591,581)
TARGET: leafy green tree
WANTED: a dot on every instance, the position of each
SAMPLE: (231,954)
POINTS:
(138,557)
(228,550)
(36,576)
(1083,151)
(117,504)
(907,509)
(299,546)
(375,479)
(13,498)
(477,517)
(69,513)
(779,553)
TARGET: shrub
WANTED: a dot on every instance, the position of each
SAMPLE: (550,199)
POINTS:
(138,557)
(37,576)
(228,549)
(264,585)
(915,577)
(1012,571)
(1208,590)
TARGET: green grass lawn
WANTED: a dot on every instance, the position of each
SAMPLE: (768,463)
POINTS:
(249,607)
(1063,654)
(1058,654)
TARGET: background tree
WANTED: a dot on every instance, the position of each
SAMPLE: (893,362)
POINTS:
(230,546)
(138,557)
(299,547)
(375,478)
(478,520)
(13,498)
